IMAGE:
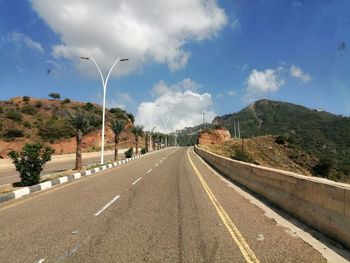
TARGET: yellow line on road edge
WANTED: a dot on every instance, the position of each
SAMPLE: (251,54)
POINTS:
(247,253)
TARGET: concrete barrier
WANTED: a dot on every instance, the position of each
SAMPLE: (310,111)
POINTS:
(320,203)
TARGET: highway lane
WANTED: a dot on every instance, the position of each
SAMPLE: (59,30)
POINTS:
(10,175)
(165,207)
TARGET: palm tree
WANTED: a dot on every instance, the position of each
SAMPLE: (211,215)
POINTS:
(146,141)
(117,127)
(81,124)
(138,132)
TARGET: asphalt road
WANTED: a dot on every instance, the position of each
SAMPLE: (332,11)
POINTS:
(165,207)
(10,175)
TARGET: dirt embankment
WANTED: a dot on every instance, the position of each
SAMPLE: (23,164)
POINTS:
(263,150)
(91,142)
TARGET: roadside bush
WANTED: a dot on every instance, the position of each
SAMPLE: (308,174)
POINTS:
(242,156)
(30,162)
(29,109)
(13,115)
(323,167)
(1,109)
(13,133)
(129,153)
(143,150)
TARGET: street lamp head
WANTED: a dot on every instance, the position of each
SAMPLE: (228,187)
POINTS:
(124,59)
(86,58)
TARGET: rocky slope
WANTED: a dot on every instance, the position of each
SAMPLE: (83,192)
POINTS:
(43,120)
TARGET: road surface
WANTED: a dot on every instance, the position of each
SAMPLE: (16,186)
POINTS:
(8,173)
(165,207)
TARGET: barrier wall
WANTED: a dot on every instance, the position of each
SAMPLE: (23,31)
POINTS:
(320,203)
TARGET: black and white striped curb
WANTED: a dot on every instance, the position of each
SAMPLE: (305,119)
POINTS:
(46,185)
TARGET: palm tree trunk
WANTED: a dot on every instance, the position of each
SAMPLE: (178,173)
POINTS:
(146,142)
(116,141)
(79,138)
(137,145)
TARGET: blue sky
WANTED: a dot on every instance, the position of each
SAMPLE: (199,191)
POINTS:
(221,57)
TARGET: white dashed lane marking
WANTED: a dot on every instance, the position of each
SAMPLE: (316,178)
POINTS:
(136,181)
(107,205)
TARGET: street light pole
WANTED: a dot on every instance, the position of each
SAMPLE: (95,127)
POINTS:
(104,85)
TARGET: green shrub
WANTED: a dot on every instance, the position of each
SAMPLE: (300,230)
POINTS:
(29,109)
(27,124)
(66,101)
(30,162)
(143,150)
(88,106)
(13,115)
(323,167)
(242,156)
(129,153)
(26,99)
(55,129)
(1,109)
(280,140)
(131,117)
(38,104)
(13,133)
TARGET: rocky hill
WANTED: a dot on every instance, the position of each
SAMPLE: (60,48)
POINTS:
(266,151)
(316,132)
(25,119)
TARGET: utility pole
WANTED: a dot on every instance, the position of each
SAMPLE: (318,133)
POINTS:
(234,127)
(203,119)
(239,130)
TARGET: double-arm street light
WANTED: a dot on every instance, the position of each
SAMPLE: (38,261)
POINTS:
(104,85)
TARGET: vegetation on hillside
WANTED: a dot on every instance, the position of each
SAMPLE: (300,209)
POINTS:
(321,134)
(48,120)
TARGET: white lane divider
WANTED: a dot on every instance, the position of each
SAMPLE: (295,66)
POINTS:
(40,260)
(156,165)
(150,170)
(107,205)
(136,181)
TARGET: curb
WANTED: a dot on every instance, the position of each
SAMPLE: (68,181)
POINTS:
(61,180)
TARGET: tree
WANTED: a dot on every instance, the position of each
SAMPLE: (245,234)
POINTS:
(30,162)
(131,117)
(81,124)
(26,99)
(117,127)
(138,132)
(146,141)
(55,96)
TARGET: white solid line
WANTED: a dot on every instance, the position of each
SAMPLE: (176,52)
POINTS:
(136,181)
(149,171)
(107,205)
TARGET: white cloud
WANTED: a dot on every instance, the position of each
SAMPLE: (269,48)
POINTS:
(219,95)
(20,40)
(178,108)
(262,82)
(231,93)
(143,31)
(298,73)
(186,84)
